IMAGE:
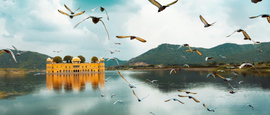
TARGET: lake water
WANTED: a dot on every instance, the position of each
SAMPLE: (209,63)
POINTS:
(78,94)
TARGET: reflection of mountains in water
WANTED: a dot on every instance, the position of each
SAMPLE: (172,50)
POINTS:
(71,82)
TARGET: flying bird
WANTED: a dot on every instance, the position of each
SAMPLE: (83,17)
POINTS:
(208,108)
(197,51)
(39,74)
(257,42)
(226,79)
(267,16)
(18,53)
(116,44)
(119,101)
(132,37)
(248,105)
(244,33)
(109,51)
(259,50)
(172,70)
(129,84)
(107,79)
(188,48)
(207,58)
(102,94)
(184,57)
(186,65)
(58,51)
(190,97)
(72,13)
(211,75)
(138,97)
(248,64)
(114,59)
(223,56)
(95,20)
(151,81)
(187,92)
(174,99)
(161,7)
(102,9)
(256,1)
(11,53)
(112,95)
(205,22)
(232,91)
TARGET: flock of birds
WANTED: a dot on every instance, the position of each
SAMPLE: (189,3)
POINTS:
(95,20)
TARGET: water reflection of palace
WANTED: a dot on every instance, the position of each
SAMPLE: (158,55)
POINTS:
(71,82)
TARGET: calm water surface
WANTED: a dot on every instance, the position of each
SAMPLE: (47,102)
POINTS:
(78,94)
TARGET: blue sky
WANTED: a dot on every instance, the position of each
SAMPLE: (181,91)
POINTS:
(38,26)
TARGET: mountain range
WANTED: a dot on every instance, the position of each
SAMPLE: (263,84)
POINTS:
(162,54)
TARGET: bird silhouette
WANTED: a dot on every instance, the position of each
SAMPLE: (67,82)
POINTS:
(102,94)
(116,44)
(11,53)
(267,16)
(205,22)
(95,20)
(187,92)
(72,13)
(213,110)
(18,53)
(129,84)
(151,81)
(161,7)
(138,97)
(190,97)
(211,75)
(174,99)
(102,9)
(256,1)
(248,64)
(172,70)
(248,105)
(244,33)
(132,37)
(119,101)
(207,58)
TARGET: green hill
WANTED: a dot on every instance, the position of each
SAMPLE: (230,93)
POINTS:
(27,60)
(113,63)
(170,54)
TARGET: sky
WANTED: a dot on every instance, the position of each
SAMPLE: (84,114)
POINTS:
(36,25)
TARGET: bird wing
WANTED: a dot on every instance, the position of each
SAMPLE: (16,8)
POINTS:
(152,113)
(182,96)
(196,100)
(220,76)
(253,17)
(246,35)
(231,85)
(199,52)
(2,51)
(106,92)
(99,91)
(155,3)
(181,102)
(182,91)
(102,9)
(105,29)
(144,97)
(117,61)
(123,36)
(171,71)
(79,13)
(256,69)
(203,20)
(67,8)
(205,106)
(94,9)
(123,77)
(63,12)
(15,48)
(268,19)
(187,50)
(12,54)
(108,78)
(140,39)
(77,9)
(192,93)
(206,58)
(179,47)
(82,21)
(190,49)
(231,34)
(171,3)
(116,102)
(167,100)
(148,80)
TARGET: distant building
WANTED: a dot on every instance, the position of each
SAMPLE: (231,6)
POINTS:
(74,67)
(139,64)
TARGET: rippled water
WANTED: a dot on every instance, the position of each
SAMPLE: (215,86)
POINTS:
(78,94)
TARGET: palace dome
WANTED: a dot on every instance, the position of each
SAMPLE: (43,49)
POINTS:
(49,60)
(76,59)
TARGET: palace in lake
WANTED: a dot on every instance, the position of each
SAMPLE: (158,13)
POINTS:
(74,67)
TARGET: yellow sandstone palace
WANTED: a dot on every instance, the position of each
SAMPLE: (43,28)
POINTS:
(74,67)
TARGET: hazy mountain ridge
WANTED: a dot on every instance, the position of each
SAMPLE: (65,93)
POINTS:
(168,54)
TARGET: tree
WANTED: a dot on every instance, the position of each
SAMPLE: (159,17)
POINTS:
(68,58)
(57,59)
(82,58)
(94,59)
(221,63)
